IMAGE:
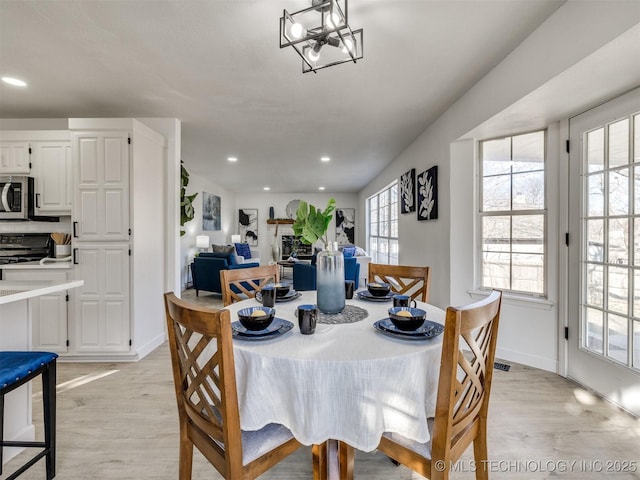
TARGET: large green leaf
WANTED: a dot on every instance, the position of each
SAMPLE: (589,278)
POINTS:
(311,223)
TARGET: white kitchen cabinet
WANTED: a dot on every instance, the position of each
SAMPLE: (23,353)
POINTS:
(49,313)
(53,172)
(14,157)
(102,320)
(101,182)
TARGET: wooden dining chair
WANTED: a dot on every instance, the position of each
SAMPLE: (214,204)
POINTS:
(463,395)
(244,283)
(205,384)
(407,280)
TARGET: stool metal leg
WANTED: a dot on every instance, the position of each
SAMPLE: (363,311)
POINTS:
(1,430)
(49,406)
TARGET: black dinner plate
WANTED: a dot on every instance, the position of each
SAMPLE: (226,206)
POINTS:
(428,330)
(292,295)
(277,327)
(365,295)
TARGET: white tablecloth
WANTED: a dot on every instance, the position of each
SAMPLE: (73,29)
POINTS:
(346,382)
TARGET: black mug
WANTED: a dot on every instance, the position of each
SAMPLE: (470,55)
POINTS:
(403,301)
(307,317)
(349,286)
(268,293)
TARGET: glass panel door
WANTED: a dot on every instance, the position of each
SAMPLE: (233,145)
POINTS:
(604,252)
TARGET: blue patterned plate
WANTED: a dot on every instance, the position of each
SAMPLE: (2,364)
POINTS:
(277,327)
(428,330)
(367,297)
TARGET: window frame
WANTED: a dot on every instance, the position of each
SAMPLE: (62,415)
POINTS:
(374,252)
(511,213)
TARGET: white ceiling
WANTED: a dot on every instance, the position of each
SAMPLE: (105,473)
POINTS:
(216,65)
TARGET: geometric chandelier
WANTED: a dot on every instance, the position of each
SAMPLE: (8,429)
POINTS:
(321,35)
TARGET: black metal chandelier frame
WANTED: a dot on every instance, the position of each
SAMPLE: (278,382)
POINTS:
(335,34)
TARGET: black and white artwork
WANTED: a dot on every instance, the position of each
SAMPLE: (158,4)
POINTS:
(210,211)
(428,194)
(408,192)
(345,226)
(248,225)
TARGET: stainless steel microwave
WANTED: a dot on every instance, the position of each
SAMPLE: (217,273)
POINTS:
(15,200)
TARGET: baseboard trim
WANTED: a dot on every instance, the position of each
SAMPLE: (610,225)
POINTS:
(528,360)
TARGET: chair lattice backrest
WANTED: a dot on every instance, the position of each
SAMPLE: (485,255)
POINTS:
(466,370)
(464,384)
(407,280)
(204,376)
(242,283)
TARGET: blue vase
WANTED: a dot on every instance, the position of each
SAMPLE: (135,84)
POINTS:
(330,281)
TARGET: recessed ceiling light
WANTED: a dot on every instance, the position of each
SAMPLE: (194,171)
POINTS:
(320,188)
(325,159)
(232,159)
(14,81)
(267,188)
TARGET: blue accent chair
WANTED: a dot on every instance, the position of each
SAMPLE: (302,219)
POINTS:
(304,274)
(205,270)
(16,369)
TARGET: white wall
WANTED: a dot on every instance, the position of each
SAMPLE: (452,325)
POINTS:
(148,240)
(529,331)
(279,202)
(231,202)
(198,184)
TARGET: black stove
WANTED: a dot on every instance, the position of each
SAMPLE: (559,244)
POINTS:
(24,247)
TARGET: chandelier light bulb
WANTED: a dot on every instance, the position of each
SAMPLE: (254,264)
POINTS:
(348,45)
(314,53)
(297,30)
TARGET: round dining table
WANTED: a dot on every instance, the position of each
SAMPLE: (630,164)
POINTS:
(347,382)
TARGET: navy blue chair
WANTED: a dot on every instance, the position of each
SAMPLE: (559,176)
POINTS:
(16,369)
(304,274)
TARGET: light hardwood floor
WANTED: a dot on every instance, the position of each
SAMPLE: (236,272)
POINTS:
(118,421)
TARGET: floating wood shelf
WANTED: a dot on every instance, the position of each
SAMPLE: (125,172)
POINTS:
(280,221)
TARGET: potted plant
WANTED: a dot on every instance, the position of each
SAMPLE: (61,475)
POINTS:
(311,225)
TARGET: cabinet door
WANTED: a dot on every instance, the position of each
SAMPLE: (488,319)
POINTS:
(101,174)
(102,304)
(53,174)
(14,157)
(49,313)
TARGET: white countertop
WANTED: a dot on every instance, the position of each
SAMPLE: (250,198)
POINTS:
(13,290)
(47,265)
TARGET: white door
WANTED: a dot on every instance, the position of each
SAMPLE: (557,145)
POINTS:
(604,250)
(101,173)
(53,175)
(14,157)
(101,317)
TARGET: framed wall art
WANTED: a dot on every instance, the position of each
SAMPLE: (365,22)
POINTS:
(345,226)
(248,225)
(428,194)
(408,192)
(210,211)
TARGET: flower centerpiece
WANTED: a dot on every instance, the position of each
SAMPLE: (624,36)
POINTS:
(311,225)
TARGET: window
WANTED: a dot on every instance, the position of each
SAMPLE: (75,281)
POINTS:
(382,237)
(512,213)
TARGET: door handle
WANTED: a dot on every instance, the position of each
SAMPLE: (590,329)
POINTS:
(75,229)
(37,200)
(75,256)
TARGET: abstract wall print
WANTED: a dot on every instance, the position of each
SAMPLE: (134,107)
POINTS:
(428,194)
(408,192)
(210,211)
(248,225)
(345,226)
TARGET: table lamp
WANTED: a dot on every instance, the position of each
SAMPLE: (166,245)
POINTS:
(236,238)
(202,242)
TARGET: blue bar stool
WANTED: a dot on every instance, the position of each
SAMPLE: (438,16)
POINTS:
(16,369)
